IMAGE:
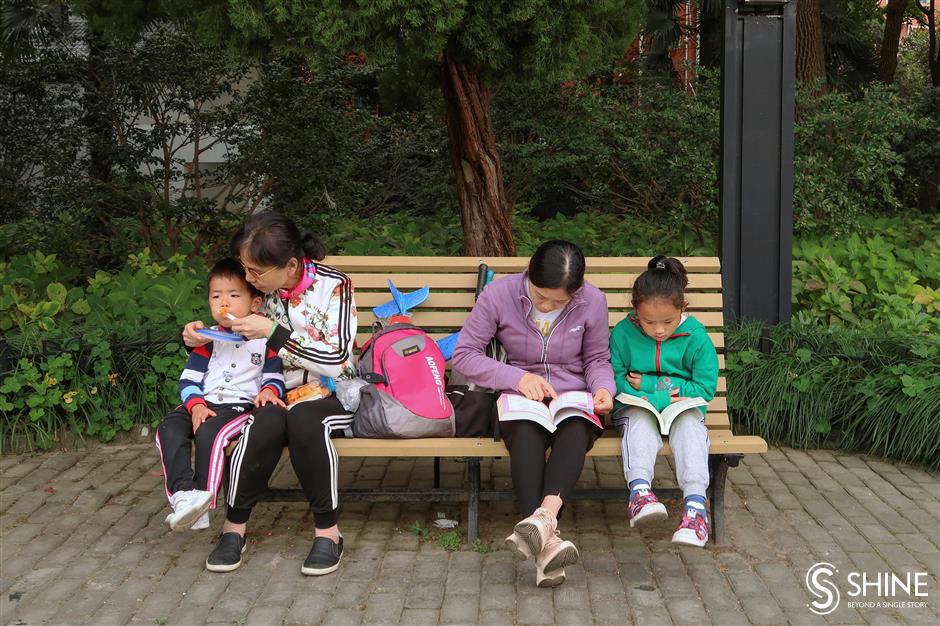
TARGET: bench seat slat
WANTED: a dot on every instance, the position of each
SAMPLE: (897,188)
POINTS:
(609,445)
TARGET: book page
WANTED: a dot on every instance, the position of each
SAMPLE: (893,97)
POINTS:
(565,413)
(512,407)
(625,398)
(581,400)
(671,412)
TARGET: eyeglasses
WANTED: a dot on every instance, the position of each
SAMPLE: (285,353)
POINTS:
(255,273)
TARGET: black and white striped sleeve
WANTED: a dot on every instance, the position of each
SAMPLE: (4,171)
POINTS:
(324,347)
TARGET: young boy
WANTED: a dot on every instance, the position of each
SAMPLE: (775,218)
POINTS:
(221,383)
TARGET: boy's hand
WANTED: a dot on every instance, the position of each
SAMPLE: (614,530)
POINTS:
(200,414)
(603,402)
(268,397)
(634,379)
(534,387)
(193,339)
(253,326)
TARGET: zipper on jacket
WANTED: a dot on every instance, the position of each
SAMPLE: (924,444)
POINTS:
(545,339)
(659,344)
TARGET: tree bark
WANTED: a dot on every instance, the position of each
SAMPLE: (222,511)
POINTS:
(484,209)
(894,19)
(810,55)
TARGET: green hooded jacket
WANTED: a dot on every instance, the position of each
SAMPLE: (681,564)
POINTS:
(686,361)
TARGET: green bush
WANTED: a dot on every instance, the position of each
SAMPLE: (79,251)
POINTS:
(887,275)
(95,358)
(860,390)
(848,157)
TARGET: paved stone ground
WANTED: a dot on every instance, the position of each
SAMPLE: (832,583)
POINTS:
(82,540)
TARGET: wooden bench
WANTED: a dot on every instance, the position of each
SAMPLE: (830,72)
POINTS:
(452,281)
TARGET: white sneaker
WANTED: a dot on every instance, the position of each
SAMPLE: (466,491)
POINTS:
(202,523)
(188,506)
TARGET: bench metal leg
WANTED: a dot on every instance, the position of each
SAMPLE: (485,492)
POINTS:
(719,472)
(473,502)
(437,472)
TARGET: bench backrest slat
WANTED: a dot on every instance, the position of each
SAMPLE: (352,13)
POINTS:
(453,279)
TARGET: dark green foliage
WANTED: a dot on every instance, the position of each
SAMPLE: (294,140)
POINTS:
(859,390)
(320,151)
(644,149)
(531,40)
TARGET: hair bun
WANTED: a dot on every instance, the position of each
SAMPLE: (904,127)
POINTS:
(312,246)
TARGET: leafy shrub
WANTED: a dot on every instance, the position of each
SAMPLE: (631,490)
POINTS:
(887,277)
(95,358)
(858,390)
(848,157)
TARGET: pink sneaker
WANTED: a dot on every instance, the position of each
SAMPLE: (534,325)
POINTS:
(551,562)
(536,529)
(518,546)
(645,508)
(693,529)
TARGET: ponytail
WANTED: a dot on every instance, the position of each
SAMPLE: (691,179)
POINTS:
(312,246)
(665,278)
(272,240)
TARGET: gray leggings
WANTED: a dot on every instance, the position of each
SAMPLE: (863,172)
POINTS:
(641,442)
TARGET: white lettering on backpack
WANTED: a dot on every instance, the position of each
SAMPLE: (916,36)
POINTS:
(434,371)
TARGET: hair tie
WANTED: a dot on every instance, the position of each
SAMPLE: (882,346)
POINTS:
(660,265)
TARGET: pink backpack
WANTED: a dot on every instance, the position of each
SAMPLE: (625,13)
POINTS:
(405,396)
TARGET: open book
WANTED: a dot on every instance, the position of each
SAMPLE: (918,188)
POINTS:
(570,404)
(668,415)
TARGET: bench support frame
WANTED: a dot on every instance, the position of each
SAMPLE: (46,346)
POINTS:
(472,494)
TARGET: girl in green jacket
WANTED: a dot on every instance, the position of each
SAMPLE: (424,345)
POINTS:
(664,356)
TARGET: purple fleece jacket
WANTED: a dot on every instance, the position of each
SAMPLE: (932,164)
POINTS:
(574,357)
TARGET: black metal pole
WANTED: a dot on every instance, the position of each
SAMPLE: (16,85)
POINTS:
(756,169)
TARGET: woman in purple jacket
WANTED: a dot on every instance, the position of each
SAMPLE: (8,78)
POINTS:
(555,331)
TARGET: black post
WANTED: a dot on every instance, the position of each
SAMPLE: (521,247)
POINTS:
(756,171)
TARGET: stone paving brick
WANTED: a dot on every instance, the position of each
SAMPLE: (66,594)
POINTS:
(97,547)
(460,609)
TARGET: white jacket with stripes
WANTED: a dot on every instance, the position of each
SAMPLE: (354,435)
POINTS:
(316,329)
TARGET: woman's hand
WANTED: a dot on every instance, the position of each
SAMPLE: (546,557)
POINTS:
(193,339)
(534,387)
(603,402)
(253,327)
(634,379)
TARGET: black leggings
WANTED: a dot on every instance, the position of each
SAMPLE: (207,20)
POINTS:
(305,429)
(533,477)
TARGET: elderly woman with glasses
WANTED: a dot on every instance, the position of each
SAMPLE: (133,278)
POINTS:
(310,322)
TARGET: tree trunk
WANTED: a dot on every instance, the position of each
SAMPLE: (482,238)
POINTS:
(810,56)
(97,119)
(892,38)
(484,210)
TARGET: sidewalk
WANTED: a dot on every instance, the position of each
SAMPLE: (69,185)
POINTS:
(82,540)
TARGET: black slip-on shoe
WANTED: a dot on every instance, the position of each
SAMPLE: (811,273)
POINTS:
(324,557)
(227,555)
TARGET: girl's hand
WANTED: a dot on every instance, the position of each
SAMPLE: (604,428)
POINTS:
(603,402)
(676,397)
(634,379)
(534,387)
(268,397)
(193,339)
(200,414)
(253,327)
